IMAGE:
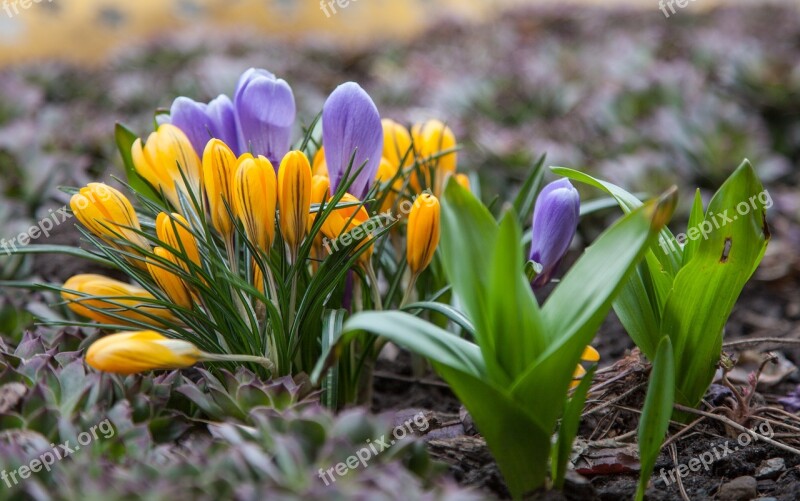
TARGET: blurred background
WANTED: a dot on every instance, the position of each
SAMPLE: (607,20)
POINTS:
(638,92)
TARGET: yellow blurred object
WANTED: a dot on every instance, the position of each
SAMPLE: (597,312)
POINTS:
(423,232)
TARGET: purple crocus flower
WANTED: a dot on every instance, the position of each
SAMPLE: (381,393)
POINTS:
(555,219)
(351,124)
(201,122)
(265,111)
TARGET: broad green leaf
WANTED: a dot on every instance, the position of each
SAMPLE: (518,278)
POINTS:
(696,217)
(414,334)
(448,311)
(569,428)
(468,230)
(125,138)
(518,443)
(577,307)
(515,323)
(707,287)
(656,412)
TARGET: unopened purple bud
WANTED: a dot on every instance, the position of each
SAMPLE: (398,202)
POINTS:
(265,110)
(555,219)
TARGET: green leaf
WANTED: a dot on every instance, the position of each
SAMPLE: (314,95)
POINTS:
(468,230)
(448,311)
(706,288)
(569,428)
(415,335)
(332,322)
(656,412)
(125,138)
(696,217)
(515,324)
(518,443)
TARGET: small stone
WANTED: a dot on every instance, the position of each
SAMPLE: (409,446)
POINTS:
(739,489)
(770,468)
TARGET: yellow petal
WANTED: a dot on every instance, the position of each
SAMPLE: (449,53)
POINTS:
(590,355)
(396,144)
(98,297)
(423,232)
(294,197)
(168,281)
(174,232)
(218,169)
(133,352)
(254,199)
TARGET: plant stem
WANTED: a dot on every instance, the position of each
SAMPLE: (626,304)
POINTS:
(374,290)
(218,357)
(409,290)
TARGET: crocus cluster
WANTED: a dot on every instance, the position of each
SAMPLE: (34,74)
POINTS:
(230,163)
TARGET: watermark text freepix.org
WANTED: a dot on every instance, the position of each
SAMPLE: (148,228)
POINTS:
(374,448)
(12,7)
(369,227)
(53,219)
(324,5)
(716,221)
(706,459)
(57,453)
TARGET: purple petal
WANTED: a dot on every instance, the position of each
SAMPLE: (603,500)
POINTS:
(223,121)
(555,219)
(351,123)
(265,111)
(190,117)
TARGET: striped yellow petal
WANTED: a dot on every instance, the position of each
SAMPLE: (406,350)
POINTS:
(219,163)
(294,197)
(165,160)
(254,199)
(174,232)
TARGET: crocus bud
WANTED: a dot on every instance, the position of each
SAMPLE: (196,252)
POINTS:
(174,232)
(165,160)
(201,122)
(345,219)
(351,129)
(133,352)
(95,296)
(218,168)
(396,144)
(167,280)
(555,219)
(423,232)
(294,197)
(254,199)
(108,215)
(266,111)
(431,140)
